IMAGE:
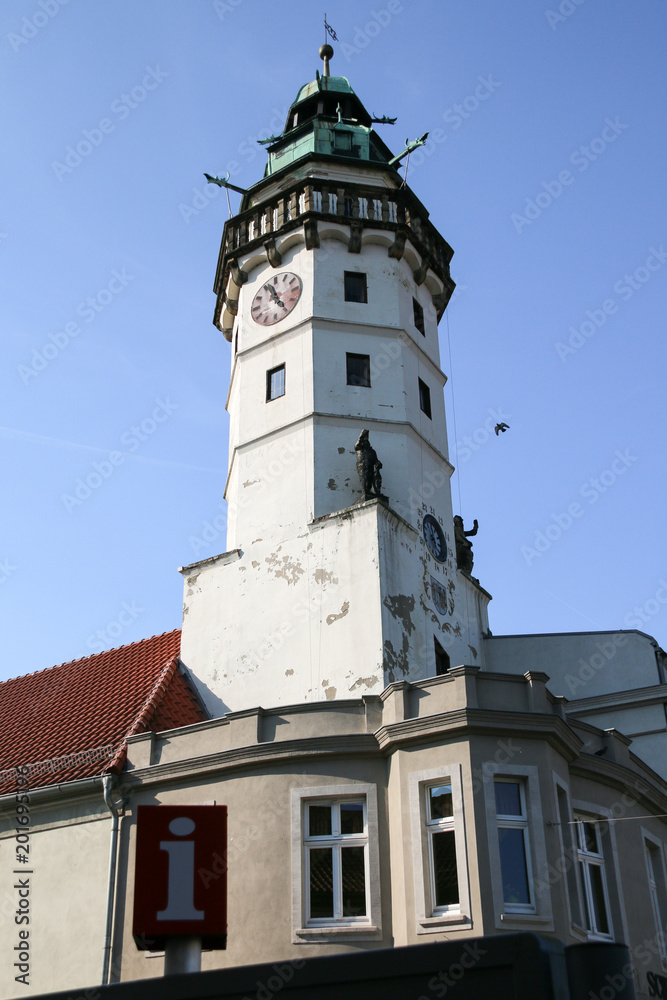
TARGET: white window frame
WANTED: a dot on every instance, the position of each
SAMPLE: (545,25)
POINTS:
(511,821)
(613,884)
(540,914)
(431,918)
(587,859)
(322,929)
(654,853)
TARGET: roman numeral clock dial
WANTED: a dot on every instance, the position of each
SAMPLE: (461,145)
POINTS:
(276,298)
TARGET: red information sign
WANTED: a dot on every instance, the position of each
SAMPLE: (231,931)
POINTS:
(180,881)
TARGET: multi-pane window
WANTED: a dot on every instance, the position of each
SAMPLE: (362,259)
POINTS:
(439,863)
(658,892)
(425,398)
(358,369)
(512,821)
(442,847)
(336,861)
(590,861)
(355,287)
(275,383)
(418,316)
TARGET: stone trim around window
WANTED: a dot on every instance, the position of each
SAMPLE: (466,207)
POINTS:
(540,914)
(654,856)
(606,816)
(429,922)
(338,930)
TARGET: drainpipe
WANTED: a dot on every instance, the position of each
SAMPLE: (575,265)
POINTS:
(109,783)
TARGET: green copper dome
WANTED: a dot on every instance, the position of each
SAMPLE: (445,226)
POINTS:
(327,118)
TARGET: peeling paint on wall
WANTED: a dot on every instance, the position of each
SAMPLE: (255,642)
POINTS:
(394,662)
(367,682)
(330,692)
(324,576)
(341,451)
(331,485)
(288,673)
(250,482)
(343,611)
(287,568)
(472,650)
(401,607)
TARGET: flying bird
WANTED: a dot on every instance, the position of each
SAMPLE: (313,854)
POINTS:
(501,427)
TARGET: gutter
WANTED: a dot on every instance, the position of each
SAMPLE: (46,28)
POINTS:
(110,784)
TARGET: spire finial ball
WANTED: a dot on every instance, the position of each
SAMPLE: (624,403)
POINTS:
(326,52)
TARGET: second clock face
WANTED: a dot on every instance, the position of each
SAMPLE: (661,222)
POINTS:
(276,298)
(434,538)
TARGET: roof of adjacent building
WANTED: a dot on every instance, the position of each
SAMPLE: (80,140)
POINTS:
(73,721)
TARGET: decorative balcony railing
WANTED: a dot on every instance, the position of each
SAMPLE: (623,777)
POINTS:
(359,206)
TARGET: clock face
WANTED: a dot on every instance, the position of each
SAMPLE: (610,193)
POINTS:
(434,538)
(276,298)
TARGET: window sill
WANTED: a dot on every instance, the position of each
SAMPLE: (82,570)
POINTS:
(429,925)
(533,919)
(303,935)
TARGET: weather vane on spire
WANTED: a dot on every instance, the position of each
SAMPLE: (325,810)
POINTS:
(328,30)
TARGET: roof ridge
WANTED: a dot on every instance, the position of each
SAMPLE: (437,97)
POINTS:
(147,710)
(91,656)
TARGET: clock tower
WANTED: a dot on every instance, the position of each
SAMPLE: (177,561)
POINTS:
(340,574)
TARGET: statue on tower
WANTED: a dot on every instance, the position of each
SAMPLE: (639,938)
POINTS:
(463,546)
(368,468)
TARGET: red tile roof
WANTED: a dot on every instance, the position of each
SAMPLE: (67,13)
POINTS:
(72,721)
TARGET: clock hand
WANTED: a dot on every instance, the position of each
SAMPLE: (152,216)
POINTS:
(275,296)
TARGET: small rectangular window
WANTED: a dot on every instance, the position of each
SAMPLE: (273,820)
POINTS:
(441,889)
(592,877)
(442,847)
(513,842)
(275,383)
(419,317)
(355,287)
(343,140)
(335,848)
(358,369)
(425,398)
(441,659)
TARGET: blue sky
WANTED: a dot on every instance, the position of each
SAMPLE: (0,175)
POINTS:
(545,172)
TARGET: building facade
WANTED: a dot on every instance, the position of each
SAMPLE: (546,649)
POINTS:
(393,773)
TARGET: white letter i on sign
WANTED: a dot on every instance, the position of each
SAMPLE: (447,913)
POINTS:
(181,879)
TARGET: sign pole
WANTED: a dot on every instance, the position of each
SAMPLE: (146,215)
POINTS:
(182,954)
